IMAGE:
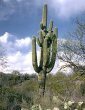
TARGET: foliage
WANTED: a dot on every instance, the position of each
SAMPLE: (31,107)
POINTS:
(3,59)
(12,89)
(22,90)
(74,49)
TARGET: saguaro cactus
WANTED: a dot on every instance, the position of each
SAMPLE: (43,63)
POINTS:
(48,49)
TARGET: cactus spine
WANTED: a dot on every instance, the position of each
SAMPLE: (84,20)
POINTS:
(48,47)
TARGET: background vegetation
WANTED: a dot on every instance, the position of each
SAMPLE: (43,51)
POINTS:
(22,90)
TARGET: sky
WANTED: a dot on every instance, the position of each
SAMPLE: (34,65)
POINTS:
(20,21)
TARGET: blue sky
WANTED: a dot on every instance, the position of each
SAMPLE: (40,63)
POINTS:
(20,19)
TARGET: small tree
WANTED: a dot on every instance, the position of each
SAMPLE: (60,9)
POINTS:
(3,59)
(74,49)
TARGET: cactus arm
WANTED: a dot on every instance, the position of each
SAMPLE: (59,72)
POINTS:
(49,54)
(51,26)
(53,57)
(38,42)
(55,32)
(44,16)
(41,58)
(54,51)
(34,56)
(41,37)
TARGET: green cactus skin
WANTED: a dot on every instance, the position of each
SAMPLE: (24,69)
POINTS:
(48,48)
(44,17)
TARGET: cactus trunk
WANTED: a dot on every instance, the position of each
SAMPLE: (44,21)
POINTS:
(48,48)
(42,83)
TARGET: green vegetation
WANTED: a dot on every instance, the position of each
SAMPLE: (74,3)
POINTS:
(21,90)
(14,90)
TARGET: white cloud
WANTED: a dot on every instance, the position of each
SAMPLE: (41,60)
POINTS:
(17,59)
(67,8)
(14,57)
(4,38)
(21,62)
(23,42)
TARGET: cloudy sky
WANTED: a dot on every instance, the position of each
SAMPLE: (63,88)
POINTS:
(19,21)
